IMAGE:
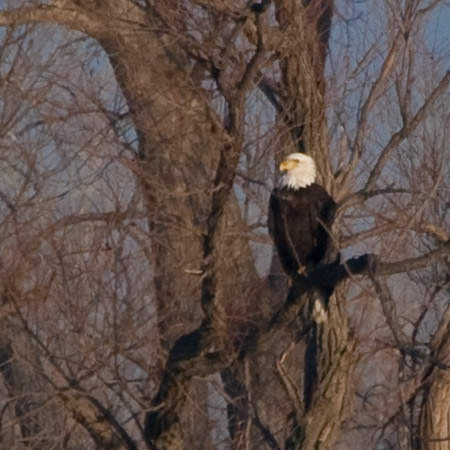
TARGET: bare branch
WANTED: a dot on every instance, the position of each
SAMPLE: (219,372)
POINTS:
(419,262)
(226,170)
(385,71)
(363,195)
(404,132)
(389,309)
(347,241)
(435,231)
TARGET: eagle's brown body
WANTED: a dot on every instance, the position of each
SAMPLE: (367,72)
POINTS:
(299,223)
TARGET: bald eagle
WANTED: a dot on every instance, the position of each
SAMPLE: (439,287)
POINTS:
(301,213)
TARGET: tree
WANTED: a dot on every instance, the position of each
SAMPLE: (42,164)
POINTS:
(138,306)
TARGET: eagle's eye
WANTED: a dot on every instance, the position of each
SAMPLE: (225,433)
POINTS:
(289,164)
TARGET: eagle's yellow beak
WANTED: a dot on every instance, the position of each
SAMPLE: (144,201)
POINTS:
(288,164)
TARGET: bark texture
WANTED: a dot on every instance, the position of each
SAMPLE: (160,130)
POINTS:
(188,72)
(435,417)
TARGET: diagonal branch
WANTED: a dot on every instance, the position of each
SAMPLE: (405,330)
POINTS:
(416,263)
(404,132)
(386,69)
(270,92)
(389,309)
(395,140)
(98,421)
(435,231)
(365,194)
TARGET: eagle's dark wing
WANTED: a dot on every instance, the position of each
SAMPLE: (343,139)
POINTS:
(273,211)
(326,207)
(281,230)
(300,222)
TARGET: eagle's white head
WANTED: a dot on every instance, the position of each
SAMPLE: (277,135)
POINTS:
(300,171)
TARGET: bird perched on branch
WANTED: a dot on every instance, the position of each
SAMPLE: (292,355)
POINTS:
(301,213)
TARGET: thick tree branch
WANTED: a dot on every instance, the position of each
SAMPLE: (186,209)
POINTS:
(98,421)
(226,170)
(191,355)
(70,14)
(60,12)
(271,93)
(269,439)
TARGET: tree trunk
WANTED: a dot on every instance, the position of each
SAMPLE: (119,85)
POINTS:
(435,417)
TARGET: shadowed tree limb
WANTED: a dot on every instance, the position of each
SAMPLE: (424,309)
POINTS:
(266,433)
(226,169)
(192,354)
(98,421)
